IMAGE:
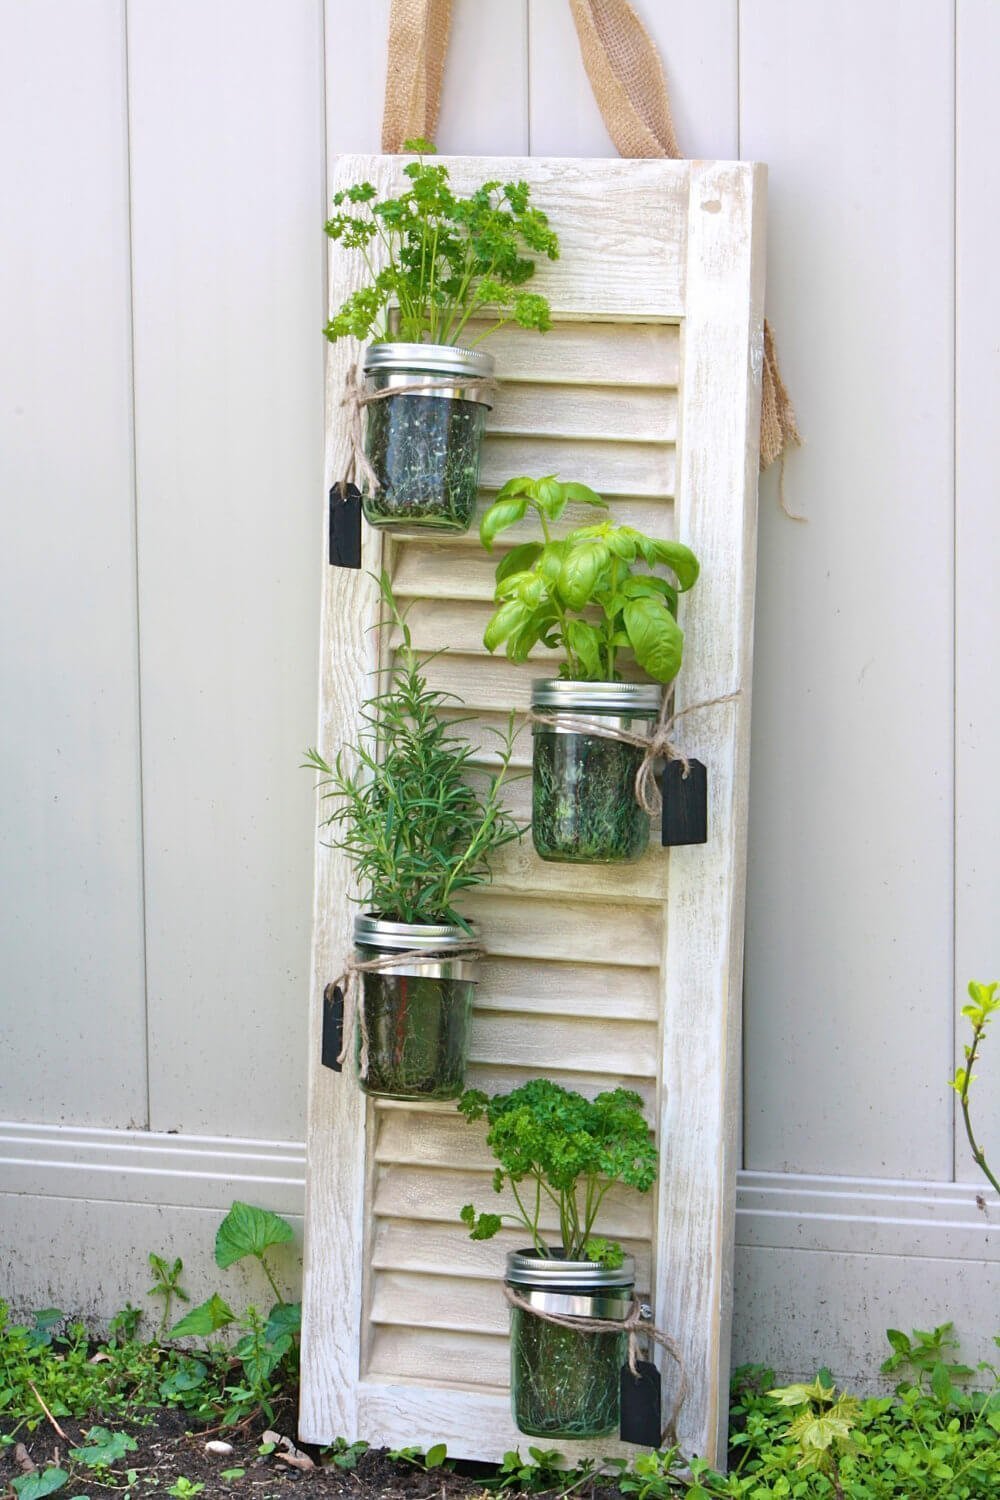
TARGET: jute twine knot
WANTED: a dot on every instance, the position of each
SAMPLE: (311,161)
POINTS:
(356,397)
(657,745)
(347,984)
(635,1325)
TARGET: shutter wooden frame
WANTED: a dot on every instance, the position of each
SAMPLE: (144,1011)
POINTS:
(661,244)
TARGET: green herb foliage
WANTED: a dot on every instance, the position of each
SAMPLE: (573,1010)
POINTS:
(556,1147)
(408,817)
(221,1384)
(984,1005)
(447,258)
(592,593)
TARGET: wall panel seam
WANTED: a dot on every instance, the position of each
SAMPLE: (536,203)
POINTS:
(143,920)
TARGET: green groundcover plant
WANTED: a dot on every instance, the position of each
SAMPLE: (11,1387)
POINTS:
(593,593)
(406,812)
(556,1148)
(448,258)
(220,1382)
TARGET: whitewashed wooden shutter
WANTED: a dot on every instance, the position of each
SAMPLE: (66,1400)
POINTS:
(647,389)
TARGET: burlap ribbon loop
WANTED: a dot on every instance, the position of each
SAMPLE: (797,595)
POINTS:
(418,45)
(657,745)
(636,1324)
(630,88)
(347,984)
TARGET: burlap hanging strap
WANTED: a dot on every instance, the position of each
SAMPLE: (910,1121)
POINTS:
(630,88)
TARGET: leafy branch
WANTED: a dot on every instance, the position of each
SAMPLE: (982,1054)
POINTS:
(984,1004)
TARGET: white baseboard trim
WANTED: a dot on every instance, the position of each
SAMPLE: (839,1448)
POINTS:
(781,1210)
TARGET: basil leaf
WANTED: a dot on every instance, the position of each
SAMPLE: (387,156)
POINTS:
(509,617)
(518,559)
(580,571)
(655,637)
(501,514)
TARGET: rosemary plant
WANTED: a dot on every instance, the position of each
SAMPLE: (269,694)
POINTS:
(416,830)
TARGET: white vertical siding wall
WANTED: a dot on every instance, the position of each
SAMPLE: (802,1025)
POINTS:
(163,171)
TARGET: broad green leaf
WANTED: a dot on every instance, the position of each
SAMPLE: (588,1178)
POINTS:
(501,514)
(523,640)
(42,1482)
(509,617)
(551,496)
(436,1456)
(898,1340)
(681,559)
(285,1318)
(585,643)
(941,1384)
(622,546)
(582,494)
(582,567)
(518,559)
(521,485)
(656,638)
(248,1231)
(645,587)
(104,1448)
(207,1318)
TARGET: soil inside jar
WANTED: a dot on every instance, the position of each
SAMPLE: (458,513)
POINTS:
(563,1383)
(583,799)
(425,451)
(417,1030)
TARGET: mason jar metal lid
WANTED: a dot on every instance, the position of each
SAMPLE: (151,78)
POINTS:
(373,932)
(528,1268)
(642,699)
(428,359)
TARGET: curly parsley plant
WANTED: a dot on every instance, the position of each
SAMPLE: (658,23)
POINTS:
(446,258)
(558,1150)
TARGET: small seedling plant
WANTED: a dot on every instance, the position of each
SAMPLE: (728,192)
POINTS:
(406,812)
(593,594)
(556,1148)
(447,258)
(983,1006)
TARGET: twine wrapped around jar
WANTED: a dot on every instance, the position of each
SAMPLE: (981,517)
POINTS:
(635,1325)
(656,746)
(347,984)
(356,398)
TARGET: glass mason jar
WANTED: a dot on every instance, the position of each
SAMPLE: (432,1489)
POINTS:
(565,1384)
(584,810)
(412,1033)
(424,445)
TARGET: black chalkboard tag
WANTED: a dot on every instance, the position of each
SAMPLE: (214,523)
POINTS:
(685,803)
(640,1393)
(333,1028)
(345,527)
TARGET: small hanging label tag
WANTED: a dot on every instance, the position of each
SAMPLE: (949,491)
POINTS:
(333,1028)
(685,803)
(640,1405)
(345,527)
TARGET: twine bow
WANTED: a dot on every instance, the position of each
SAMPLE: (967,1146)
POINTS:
(347,984)
(635,1325)
(356,398)
(656,746)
